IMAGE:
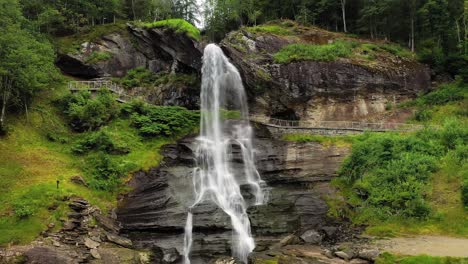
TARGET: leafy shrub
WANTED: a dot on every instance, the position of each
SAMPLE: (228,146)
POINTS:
(178,25)
(423,115)
(23,209)
(100,141)
(105,173)
(444,94)
(153,121)
(389,174)
(138,77)
(97,56)
(302,52)
(86,113)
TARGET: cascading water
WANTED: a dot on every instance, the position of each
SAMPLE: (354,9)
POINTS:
(214,179)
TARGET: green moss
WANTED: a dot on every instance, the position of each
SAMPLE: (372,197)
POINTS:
(304,52)
(98,56)
(178,25)
(71,44)
(387,258)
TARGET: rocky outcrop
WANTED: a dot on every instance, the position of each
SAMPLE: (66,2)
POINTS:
(298,175)
(87,236)
(161,51)
(157,49)
(345,89)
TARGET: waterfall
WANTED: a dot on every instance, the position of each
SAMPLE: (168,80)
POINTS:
(214,179)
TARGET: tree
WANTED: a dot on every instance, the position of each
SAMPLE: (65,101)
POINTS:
(343,11)
(27,63)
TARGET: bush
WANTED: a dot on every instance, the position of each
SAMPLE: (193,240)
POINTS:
(105,173)
(302,52)
(86,113)
(138,77)
(100,141)
(23,209)
(389,174)
(152,121)
(178,25)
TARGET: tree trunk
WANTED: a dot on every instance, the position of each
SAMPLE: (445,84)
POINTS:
(133,10)
(5,85)
(343,11)
(412,33)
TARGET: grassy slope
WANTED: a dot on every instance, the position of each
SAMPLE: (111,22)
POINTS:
(449,216)
(30,165)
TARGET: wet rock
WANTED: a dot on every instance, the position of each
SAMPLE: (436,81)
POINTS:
(369,254)
(45,255)
(122,241)
(312,237)
(290,240)
(343,255)
(171,255)
(95,253)
(106,222)
(78,179)
(328,253)
(225,260)
(89,243)
(154,212)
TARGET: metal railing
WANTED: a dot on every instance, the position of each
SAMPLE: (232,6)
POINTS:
(344,125)
(122,95)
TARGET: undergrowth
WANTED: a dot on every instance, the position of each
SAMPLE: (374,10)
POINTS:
(178,25)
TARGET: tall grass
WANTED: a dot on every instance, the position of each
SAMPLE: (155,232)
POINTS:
(178,25)
(304,52)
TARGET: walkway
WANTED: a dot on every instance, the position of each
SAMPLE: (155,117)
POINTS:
(293,125)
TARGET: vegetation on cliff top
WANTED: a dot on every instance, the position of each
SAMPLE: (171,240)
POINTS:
(177,25)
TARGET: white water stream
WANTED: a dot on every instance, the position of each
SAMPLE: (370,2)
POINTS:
(214,179)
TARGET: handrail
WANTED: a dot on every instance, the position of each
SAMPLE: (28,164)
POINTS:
(122,96)
(345,125)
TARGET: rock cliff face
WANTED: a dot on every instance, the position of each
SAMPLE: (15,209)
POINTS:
(154,213)
(162,51)
(345,89)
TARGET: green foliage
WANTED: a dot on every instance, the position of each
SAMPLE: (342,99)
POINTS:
(86,113)
(178,25)
(387,175)
(105,173)
(97,56)
(141,77)
(27,61)
(138,77)
(444,94)
(168,121)
(100,141)
(273,29)
(387,258)
(301,52)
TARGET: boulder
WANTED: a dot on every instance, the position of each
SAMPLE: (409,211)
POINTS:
(312,237)
(89,243)
(369,254)
(122,241)
(78,179)
(343,255)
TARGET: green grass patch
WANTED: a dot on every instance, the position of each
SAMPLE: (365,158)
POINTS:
(272,29)
(98,56)
(387,258)
(304,52)
(177,25)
